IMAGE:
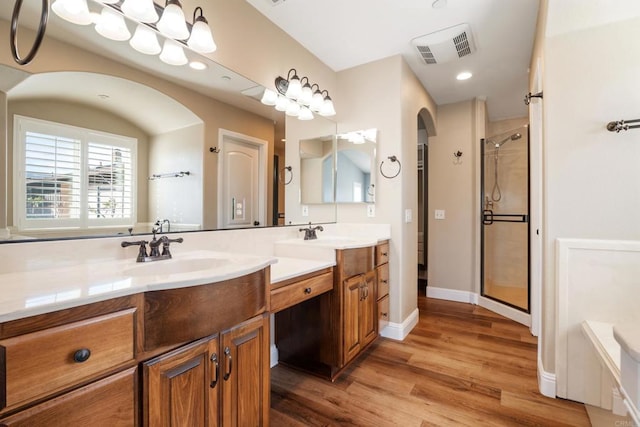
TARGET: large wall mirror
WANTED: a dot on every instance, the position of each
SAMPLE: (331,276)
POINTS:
(356,160)
(175,116)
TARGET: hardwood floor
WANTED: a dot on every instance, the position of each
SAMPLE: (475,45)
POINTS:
(461,365)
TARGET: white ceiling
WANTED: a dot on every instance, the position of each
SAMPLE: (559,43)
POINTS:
(347,33)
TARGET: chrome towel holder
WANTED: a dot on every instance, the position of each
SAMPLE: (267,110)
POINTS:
(42,26)
(393,159)
(284,172)
(619,125)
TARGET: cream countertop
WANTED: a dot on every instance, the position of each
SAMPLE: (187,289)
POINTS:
(30,293)
(628,336)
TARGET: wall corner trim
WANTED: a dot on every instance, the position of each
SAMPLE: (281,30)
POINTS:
(452,295)
(399,331)
(546,381)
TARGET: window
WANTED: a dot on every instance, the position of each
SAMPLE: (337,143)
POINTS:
(71,177)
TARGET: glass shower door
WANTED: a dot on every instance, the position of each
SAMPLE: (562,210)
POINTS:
(505,218)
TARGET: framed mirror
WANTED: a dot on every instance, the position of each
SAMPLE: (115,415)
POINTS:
(317,170)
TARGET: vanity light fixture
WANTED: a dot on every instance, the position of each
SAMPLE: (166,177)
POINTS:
(297,98)
(177,33)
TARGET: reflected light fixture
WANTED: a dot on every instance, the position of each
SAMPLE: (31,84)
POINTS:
(172,23)
(112,26)
(297,98)
(74,11)
(142,15)
(145,41)
(465,75)
(140,10)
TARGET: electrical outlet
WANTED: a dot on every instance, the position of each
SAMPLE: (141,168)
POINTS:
(439,214)
(305,210)
(371,211)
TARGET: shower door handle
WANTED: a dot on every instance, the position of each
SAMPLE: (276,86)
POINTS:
(487,217)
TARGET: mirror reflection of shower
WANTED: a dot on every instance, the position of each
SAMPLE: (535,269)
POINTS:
(496,193)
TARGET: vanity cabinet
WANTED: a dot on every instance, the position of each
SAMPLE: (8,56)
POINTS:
(218,380)
(196,355)
(359,303)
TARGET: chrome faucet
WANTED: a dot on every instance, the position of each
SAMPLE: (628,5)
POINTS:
(154,246)
(310,233)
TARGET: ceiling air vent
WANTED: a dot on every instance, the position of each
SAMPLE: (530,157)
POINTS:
(445,45)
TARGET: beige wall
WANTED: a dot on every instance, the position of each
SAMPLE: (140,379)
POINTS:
(591,175)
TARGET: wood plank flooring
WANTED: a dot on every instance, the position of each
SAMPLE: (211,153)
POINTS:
(461,365)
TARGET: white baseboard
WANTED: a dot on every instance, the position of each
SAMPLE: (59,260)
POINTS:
(399,331)
(452,295)
(274,355)
(506,311)
(546,381)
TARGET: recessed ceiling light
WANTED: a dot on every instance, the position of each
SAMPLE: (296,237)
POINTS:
(197,65)
(464,75)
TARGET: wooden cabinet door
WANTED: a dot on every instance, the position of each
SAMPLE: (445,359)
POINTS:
(244,370)
(353,291)
(181,388)
(368,310)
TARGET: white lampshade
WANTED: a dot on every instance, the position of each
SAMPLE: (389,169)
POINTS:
(293,109)
(112,26)
(306,95)
(201,39)
(108,1)
(327,108)
(172,23)
(305,114)
(172,53)
(140,10)
(295,88)
(282,103)
(145,41)
(317,101)
(74,11)
(269,97)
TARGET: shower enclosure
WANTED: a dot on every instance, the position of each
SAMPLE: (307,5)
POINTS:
(505,218)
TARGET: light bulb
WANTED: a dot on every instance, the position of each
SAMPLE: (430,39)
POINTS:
(74,11)
(316,101)
(112,26)
(269,97)
(144,40)
(305,114)
(293,109)
(306,95)
(295,88)
(172,23)
(172,53)
(282,103)
(327,107)
(201,39)
(140,10)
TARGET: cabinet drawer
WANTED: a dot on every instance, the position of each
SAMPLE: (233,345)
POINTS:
(40,363)
(303,290)
(108,402)
(383,280)
(383,312)
(382,253)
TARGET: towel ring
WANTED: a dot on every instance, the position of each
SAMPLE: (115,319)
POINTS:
(393,159)
(42,26)
(283,173)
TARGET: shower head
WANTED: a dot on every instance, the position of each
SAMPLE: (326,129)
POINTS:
(513,137)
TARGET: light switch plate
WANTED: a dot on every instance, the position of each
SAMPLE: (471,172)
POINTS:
(439,214)
(408,215)
(305,210)
(371,211)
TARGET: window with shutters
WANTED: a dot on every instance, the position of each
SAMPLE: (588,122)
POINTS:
(70,177)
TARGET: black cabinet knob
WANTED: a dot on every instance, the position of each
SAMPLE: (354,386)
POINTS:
(307,290)
(81,355)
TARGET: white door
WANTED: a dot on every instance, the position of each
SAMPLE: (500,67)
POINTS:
(240,190)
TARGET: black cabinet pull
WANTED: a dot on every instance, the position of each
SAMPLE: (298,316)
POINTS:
(307,291)
(214,360)
(384,253)
(81,355)
(384,315)
(385,281)
(227,353)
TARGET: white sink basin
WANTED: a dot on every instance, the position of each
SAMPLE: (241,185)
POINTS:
(175,266)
